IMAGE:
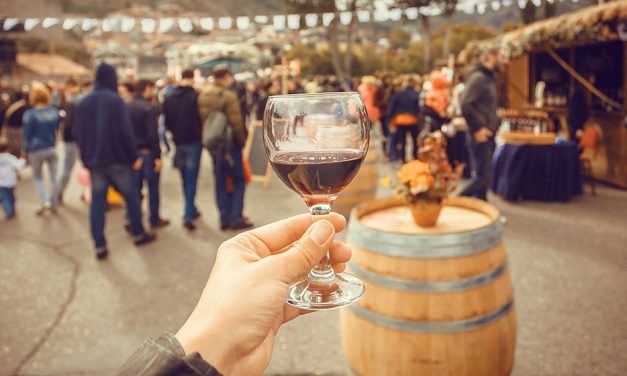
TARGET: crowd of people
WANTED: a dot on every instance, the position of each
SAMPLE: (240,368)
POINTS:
(118,130)
(121,129)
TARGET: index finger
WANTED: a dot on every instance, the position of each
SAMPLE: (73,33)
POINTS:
(280,234)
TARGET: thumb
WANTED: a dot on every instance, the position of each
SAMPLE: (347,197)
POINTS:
(306,252)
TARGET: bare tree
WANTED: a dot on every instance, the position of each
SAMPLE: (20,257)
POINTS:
(448,8)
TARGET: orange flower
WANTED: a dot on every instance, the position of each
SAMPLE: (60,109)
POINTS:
(422,181)
(411,170)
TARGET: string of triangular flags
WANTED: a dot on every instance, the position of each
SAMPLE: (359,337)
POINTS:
(124,23)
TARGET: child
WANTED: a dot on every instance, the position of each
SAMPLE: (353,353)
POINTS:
(9,166)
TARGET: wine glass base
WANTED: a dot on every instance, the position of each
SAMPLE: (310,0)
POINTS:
(343,290)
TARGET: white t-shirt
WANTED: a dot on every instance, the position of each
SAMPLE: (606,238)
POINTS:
(8,166)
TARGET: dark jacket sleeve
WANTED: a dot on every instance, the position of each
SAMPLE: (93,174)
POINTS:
(152,125)
(126,131)
(475,88)
(233,112)
(27,130)
(163,357)
(392,106)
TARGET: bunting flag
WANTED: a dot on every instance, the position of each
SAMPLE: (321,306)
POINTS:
(311,20)
(89,23)
(327,18)
(206,23)
(381,13)
(186,25)
(243,23)
(165,25)
(70,23)
(364,15)
(411,13)
(148,25)
(346,18)
(225,23)
(293,21)
(30,23)
(278,22)
(49,22)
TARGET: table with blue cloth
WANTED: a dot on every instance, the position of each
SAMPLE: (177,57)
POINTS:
(537,172)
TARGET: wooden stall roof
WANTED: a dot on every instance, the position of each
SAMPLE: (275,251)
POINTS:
(597,23)
(50,65)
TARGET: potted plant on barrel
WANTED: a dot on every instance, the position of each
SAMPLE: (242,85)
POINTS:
(425,183)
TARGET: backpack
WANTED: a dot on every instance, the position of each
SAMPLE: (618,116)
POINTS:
(217,134)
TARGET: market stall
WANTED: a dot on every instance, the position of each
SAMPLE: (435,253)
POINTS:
(575,62)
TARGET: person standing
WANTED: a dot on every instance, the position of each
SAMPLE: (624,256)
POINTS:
(479,108)
(9,166)
(146,134)
(38,142)
(14,117)
(105,140)
(227,160)
(403,111)
(182,120)
(71,94)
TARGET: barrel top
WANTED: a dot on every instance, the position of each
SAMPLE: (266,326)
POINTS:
(453,219)
(466,226)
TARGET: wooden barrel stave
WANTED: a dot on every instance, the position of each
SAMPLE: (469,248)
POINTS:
(484,351)
(451,315)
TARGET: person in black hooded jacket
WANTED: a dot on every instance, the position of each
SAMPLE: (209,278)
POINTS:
(182,119)
(105,140)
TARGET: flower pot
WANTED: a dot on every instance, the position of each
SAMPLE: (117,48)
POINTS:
(425,213)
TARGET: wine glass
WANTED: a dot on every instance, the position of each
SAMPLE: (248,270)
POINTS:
(316,144)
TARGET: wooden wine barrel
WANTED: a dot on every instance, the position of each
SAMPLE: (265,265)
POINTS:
(438,300)
(363,187)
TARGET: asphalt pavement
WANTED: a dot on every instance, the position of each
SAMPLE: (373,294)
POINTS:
(64,313)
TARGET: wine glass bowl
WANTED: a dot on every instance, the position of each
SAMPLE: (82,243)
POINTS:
(316,144)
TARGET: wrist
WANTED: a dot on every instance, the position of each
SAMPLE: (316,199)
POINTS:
(211,346)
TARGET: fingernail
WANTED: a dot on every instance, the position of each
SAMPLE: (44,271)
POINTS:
(320,232)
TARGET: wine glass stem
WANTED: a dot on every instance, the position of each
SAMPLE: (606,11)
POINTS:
(323,272)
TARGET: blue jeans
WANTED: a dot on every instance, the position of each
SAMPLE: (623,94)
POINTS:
(481,162)
(37,159)
(121,177)
(71,153)
(231,205)
(187,160)
(163,137)
(147,173)
(7,198)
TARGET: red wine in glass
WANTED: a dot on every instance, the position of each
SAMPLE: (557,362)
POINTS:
(317,176)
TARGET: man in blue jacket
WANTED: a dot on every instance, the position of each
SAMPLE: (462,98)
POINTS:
(105,140)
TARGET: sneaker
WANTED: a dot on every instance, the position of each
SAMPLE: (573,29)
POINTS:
(161,223)
(40,211)
(189,225)
(196,216)
(10,217)
(102,253)
(145,238)
(224,227)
